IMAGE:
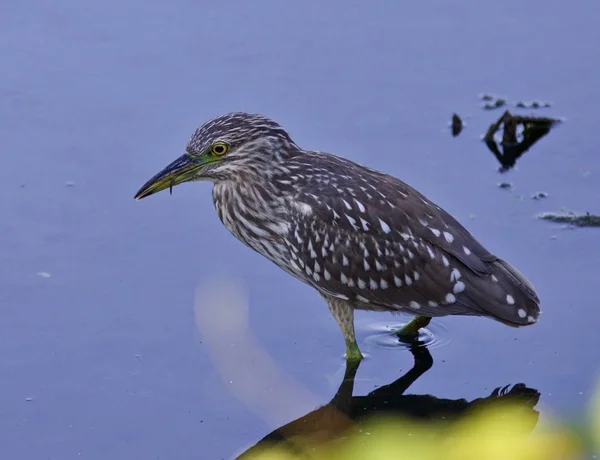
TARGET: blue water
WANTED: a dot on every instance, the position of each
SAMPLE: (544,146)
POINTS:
(102,352)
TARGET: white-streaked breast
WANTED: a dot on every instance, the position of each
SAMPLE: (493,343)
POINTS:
(255,218)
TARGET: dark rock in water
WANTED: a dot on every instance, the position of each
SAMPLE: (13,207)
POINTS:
(572,218)
(457,125)
(505,185)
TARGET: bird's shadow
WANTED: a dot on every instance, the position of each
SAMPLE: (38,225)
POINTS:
(334,420)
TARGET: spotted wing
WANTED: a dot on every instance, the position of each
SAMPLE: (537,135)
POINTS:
(382,244)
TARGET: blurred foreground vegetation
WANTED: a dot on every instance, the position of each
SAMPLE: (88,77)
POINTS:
(501,431)
(389,422)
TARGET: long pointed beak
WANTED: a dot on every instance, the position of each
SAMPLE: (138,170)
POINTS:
(181,170)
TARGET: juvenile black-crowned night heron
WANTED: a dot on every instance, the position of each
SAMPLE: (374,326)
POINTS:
(363,239)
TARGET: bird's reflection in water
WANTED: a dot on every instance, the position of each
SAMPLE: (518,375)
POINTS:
(333,421)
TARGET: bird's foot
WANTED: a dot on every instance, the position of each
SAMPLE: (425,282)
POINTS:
(410,331)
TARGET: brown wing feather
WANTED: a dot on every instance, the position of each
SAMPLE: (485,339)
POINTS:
(378,241)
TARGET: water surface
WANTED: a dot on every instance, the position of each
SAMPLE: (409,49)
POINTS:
(103,358)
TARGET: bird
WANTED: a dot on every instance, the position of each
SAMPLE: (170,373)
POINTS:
(363,239)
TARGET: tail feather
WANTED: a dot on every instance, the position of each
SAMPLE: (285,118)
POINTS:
(504,295)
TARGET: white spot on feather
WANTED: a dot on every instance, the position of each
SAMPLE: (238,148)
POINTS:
(326,274)
(449,237)
(454,275)
(405,236)
(450,298)
(347,204)
(397,281)
(408,280)
(445,261)
(373,284)
(435,231)
(352,221)
(414,305)
(367,266)
(303,208)
(522,313)
(385,227)
(431,303)
(459,287)
(365,224)
(510,299)
(467,250)
(361,284)
(431,254)
(384,284)
(361,207)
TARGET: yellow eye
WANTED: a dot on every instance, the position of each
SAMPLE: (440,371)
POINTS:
(219,148)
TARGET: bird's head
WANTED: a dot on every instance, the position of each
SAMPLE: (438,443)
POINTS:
(228,147)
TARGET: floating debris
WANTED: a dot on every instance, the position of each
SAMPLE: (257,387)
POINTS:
(505,185)
(456,125)
(44,274)
(494,104)
(572,218)
(532,105)
(539,196)
(516,134)
(486,97)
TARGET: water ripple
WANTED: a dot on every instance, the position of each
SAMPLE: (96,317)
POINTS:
(381,335)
